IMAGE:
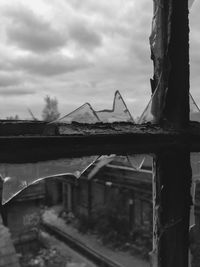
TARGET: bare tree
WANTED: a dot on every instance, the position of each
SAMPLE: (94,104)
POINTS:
(50,111)
(16,117)
(32,115)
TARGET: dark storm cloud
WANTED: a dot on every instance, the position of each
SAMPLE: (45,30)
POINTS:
(8,79)
(50,65)
(31,32)
(15,91)
(84,35)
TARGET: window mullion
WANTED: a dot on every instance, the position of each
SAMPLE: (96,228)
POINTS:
(172,171)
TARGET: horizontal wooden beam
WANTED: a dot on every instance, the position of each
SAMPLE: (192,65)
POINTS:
(64,141)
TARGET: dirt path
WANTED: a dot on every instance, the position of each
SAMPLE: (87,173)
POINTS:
(76,260)
(122,258)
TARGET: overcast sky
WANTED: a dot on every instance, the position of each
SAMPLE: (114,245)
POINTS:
(80,51)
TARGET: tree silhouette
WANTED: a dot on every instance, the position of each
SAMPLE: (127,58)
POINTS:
(50,111)
(16,117)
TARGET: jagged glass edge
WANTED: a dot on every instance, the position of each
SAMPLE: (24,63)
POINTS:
(112,111)
(76,175)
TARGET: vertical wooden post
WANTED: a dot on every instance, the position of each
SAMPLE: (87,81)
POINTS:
(89,198)
(172,171)
(170,53)
(69,197)
(172,182)
(131,214)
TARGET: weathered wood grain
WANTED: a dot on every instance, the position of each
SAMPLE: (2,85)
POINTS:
(38,142)
(172,171)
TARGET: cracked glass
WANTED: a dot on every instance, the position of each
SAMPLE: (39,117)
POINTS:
(17,177)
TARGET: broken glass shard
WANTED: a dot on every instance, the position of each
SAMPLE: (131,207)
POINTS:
(19,176)
(140,162)
(148,117)
(119,113)
(100,163)
(86,114)
(136,161)
(130,162)
(190,3)
(83,114)
(194,110)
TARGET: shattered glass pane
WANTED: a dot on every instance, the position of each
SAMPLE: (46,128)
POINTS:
(83,114)
(119,112)
(86,114)
(19,176)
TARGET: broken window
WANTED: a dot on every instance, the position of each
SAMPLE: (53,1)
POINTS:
(174,222)
(19,176)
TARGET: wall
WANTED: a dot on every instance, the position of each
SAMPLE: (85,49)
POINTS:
(8,256)
(23,219)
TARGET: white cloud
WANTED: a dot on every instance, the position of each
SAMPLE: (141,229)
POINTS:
(49,65)
(79,51)
(28,31)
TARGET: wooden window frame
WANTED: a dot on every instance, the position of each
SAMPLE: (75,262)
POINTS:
(171,140)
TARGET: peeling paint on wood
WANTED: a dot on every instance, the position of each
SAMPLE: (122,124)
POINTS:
(86,140)
(172,172)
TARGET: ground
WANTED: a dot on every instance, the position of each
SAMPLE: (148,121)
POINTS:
(54,254)
(120,257)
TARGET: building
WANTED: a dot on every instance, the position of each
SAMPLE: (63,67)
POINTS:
(117,183)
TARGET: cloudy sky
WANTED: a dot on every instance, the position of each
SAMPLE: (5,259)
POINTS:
(80,51)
